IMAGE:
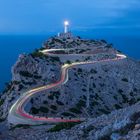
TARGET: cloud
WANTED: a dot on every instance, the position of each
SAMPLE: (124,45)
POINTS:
(47,15)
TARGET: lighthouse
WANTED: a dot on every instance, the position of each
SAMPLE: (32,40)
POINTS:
(66,33)
(66,26)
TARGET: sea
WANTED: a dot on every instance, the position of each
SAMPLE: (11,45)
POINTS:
(13,45)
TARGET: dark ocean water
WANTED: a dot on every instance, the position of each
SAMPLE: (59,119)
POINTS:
(12,46)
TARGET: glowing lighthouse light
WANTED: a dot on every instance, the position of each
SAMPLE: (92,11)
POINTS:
(66,24)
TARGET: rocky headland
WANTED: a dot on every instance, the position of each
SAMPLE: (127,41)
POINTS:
(106,93)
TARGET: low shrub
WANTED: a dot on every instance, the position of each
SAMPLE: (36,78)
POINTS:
(125,79)
(75,110)
(62,126)
(44,109)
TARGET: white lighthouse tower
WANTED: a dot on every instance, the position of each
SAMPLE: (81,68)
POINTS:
(66,26)
(66,33)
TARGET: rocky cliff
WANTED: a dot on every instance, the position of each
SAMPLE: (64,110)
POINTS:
(106,93)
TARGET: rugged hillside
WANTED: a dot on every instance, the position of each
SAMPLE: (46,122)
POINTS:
(30,71)
(91,91)
(37,69)
(122,124)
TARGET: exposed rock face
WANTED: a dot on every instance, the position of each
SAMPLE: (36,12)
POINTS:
(94,91)
(119,125)
(33,69)
(28,72)
(91,91)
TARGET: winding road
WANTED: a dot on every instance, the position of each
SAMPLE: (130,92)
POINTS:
(17,114)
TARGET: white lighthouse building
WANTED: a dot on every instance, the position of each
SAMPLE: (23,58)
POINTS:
(66,33)
(66,26)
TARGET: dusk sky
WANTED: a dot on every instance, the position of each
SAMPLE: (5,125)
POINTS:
(46,16)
